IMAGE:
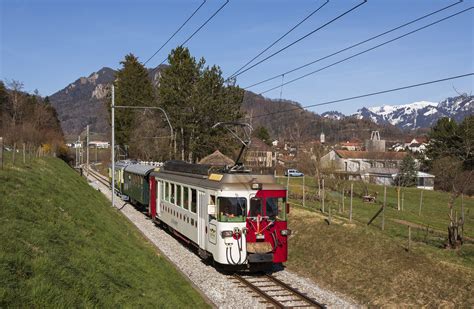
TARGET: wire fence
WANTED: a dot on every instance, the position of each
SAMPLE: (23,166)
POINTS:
(411,214)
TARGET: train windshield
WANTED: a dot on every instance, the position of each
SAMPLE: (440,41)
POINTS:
(276,208)
(232,209)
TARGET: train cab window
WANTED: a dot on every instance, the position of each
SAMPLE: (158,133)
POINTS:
(193,200)
(167,191)
(232,209)
(255,207)
(186,197)
(276,208)
(178,196)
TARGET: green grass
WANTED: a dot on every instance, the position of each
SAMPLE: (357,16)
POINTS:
(374,268)
(62,245)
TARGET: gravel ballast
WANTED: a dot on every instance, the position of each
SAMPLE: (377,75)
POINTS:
(218,288)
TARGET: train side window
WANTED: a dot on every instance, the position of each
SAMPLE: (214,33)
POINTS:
(255,207)
(193,201)
(172,195)
(178,196)
(167,191)
(186,198)
(212,201)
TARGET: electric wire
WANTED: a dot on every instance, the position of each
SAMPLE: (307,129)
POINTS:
(279,39)
(354,45)
(200,27)
(172,36)
(300,39)
(365,95)
(367,50)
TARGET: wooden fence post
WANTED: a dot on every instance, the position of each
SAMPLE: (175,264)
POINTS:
(350,210)
(383,207)
(403,196)
(421,202)
(329,217)
(323,196)
(304,197)
(1,153)
(14,152)
(343,208)
(409,238)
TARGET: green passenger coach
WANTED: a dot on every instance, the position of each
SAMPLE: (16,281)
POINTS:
(136,182)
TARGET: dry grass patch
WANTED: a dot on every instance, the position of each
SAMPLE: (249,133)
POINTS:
(372,267)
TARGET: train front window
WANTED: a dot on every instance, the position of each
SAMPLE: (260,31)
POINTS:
(255,207)
(232,209)
(276,208)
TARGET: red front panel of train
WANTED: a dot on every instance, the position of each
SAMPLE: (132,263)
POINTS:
(266,220)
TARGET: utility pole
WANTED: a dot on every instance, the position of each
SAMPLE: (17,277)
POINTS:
(113,107)
(87,150)
(113,146)
(1,152)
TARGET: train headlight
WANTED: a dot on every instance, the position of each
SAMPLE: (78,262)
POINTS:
(285,232)
(226,234)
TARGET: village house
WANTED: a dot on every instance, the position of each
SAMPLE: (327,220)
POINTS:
(352,145)
(357,161)
(259,154)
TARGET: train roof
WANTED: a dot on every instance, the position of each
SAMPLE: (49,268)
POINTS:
(139,169)
(213,178)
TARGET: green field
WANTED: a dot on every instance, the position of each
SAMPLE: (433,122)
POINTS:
(432,220)
(62,245)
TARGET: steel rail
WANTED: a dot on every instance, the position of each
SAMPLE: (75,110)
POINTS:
(285,291)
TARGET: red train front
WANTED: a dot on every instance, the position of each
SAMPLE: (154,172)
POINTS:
(267,232)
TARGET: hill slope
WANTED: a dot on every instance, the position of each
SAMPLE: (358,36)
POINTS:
(62,245)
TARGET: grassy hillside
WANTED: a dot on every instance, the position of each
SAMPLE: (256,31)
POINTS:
(61,244)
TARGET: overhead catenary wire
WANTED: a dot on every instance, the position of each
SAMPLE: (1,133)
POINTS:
(279,39)
(172,36)
(200,27)
(367,50)
(354,45)
(364,95)
(300,39)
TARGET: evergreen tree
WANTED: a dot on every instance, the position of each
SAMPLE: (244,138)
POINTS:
(196,98)
(262,133)
(407,175)
(132,88)
(447,138)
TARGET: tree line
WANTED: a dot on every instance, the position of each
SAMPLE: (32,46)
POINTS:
(194,97)
(29,119)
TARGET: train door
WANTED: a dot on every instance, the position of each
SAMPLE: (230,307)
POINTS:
(152,198)
(159,192)
(202,208)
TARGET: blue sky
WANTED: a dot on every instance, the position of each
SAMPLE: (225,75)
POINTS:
(48,44)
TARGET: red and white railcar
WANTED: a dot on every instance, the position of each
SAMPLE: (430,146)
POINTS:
(236,218)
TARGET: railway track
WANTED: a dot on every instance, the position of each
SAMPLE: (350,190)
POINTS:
(102,179)
(276,293)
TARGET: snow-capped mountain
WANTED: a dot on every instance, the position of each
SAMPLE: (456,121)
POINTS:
(335,115)
(419,114)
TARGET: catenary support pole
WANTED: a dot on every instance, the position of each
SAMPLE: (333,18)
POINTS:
(112,185)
